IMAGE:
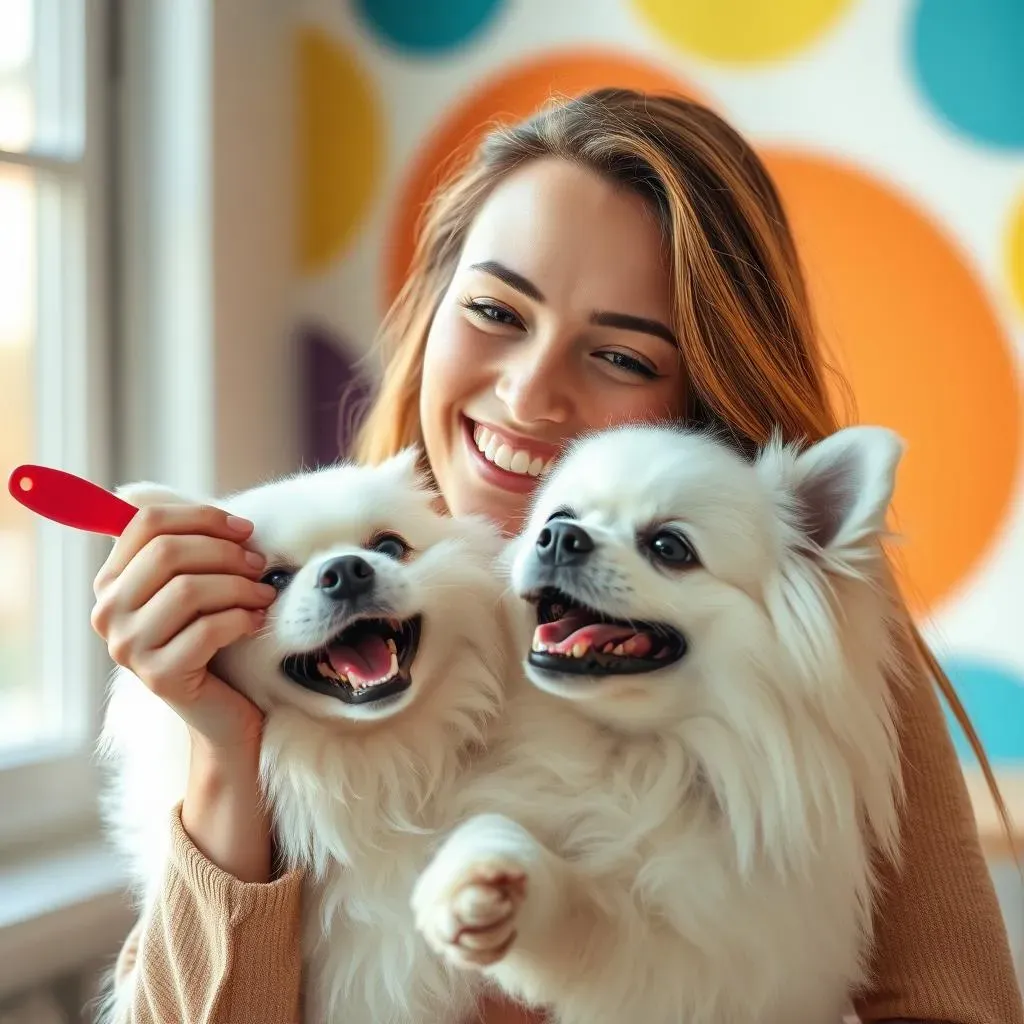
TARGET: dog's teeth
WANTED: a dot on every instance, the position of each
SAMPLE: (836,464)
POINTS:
(608,648)
(537,645)
(618,651)
(391,646)
(578,650)
(629,647)
(663,653)
(392,667)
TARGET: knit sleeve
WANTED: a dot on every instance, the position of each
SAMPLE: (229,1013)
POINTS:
(215,950)
(941,949)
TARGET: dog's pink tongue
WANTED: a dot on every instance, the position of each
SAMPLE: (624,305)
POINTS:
(577,628)
(366,661)
(601,634)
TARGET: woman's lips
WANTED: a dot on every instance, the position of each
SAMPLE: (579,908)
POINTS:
(526,465)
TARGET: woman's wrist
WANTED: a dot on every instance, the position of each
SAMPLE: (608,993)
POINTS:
(224,813)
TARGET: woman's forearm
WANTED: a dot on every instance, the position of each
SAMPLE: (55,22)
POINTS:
(224,813)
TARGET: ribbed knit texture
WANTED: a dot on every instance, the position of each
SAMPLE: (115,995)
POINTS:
(941,949)
(217,950)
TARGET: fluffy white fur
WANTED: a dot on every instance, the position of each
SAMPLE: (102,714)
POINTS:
(359,794)
(693,844)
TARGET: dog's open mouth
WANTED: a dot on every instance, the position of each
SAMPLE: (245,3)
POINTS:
(368,661)
(574,639)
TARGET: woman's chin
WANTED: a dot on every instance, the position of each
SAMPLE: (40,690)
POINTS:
(507,511)
(473,486)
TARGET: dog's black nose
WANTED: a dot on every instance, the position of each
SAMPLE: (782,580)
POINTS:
(563,543)
(345,577)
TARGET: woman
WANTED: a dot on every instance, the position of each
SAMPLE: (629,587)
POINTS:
(616,257)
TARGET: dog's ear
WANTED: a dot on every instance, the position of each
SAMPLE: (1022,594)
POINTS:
(407,466)
(843,485)
(144,493)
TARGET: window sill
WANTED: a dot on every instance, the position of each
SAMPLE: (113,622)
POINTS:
(61,910)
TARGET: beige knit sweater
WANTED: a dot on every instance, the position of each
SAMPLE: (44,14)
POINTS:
(220,951)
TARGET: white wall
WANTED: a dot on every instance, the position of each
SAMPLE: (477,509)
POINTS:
(256,422)
(207,389)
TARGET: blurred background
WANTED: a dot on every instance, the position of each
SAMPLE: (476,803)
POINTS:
(205,209)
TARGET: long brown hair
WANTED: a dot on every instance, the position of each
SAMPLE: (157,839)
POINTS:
(742,311)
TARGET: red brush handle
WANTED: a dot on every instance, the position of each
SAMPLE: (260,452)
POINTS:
(70,500)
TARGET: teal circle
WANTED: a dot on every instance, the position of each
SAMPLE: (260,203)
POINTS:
(426,26)
(993,698)
(968,58)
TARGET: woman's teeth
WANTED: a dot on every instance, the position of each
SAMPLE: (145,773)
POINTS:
(512,460)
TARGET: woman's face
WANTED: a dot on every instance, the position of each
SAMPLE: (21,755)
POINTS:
(556,322)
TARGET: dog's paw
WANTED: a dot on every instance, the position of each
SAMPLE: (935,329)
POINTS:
(470,918)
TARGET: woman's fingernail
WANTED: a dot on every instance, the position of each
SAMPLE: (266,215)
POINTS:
(240,525)
(255,559)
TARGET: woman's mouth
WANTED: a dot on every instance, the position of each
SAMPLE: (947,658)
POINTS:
(503,461)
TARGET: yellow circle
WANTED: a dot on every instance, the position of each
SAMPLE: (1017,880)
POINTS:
(740,31)
(1015,253)
(340,148)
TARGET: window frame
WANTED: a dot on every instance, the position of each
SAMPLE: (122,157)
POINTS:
(51,786)
(151,255)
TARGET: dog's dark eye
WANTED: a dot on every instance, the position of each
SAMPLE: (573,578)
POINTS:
(277,578)
(672,549)
(392,545)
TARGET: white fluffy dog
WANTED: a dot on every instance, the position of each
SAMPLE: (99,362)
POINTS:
(380,670)
(682,820)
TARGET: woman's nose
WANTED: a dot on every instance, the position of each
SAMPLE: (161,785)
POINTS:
(535,383)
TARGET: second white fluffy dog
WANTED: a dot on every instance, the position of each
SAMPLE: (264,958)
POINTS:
(683,816)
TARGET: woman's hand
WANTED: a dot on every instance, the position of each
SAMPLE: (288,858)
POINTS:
(179,585)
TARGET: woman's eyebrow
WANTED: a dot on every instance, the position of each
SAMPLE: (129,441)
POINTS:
(628,322)
(602,318)
(511,278)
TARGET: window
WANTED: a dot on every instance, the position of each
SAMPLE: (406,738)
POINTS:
(54,388)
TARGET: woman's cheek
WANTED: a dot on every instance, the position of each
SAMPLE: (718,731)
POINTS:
(657,400)
(452,365)
(447,381)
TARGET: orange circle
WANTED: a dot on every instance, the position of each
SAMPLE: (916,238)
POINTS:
(514,95)
(25,483)
(906,319)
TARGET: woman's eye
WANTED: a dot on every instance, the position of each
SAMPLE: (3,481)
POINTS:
(392,545)
(629,363)
(492,313)
(277,578)
(672,549)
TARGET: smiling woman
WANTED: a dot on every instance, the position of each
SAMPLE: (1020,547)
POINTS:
(619,257)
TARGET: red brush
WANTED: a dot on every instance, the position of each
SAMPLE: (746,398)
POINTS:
(70,500)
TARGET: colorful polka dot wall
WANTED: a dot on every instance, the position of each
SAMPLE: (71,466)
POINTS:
(894,130)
